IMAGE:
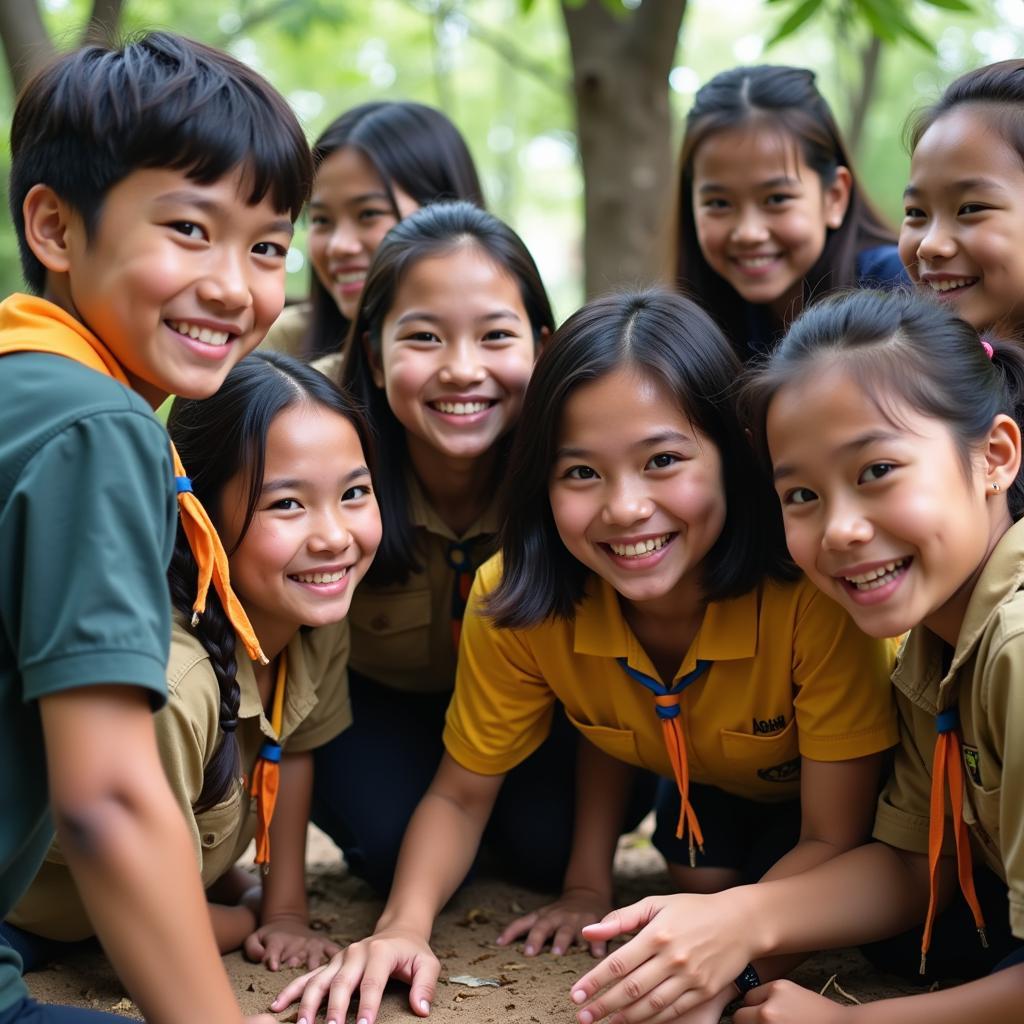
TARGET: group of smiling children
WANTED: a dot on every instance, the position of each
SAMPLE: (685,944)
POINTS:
(489,580)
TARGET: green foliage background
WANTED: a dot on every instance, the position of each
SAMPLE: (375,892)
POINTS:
(502,72)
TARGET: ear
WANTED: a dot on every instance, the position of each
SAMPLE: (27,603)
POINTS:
(1002,454)
(543,337)
(48,219)
(837,197)
(373,359)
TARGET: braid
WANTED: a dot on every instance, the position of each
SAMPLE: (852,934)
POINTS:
(217,636)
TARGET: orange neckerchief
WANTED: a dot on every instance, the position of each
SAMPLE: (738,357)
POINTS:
(666,705)
(266,776)
(947,759)
(31,324)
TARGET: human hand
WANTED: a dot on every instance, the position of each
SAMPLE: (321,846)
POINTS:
(367,966)
(561,922)
(687,950)
(288,942)
(783,1002)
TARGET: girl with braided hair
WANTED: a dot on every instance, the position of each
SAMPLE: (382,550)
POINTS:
(281,459)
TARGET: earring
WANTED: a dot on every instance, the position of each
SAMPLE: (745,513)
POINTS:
(995,487)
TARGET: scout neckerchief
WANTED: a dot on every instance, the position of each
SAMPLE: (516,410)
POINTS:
(947,760)
(666,705)
(459,555)
(31,324)
(266,776)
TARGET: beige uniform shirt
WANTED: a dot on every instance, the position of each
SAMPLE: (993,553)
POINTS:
(985,681)
(402,632)
(287,334)
(316,709)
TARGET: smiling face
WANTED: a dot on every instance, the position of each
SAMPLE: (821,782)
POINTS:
(315,530)
(457,351)
(180,280)
(350,212)
(879,510)
(636,490)
(962,235)
(761,213)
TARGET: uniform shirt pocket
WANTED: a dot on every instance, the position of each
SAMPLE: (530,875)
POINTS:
(774,758)
(390,631)
(618,743)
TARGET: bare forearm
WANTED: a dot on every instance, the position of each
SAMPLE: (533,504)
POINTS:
(994,1000)
(284,886)
(231,925)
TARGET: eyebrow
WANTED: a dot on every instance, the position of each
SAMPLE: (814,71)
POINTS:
(419,314)
(294,483)
(662,437)
(364,198)
(187,197)
(963,185)
(784,182)
(853,445)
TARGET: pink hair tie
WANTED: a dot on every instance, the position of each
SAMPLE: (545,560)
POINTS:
(987,346)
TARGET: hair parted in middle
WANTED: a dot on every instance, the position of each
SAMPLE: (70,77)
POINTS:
(670,340)
(432,231)
(218,438)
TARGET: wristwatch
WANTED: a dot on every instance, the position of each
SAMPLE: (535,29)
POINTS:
(747,979)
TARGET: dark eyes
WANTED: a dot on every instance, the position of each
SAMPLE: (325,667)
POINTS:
(354,493)
(188,229)
(581,473)
(876,471)
(799,496)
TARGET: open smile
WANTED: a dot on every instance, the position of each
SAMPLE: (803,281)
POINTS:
(323,583)
(198,332)
(877,583)
(640,553)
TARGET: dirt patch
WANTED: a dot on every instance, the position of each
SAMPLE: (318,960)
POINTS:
(530,990)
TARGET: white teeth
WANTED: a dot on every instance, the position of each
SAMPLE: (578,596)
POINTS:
(952,283)
(644,547)
(461,408)
(351,277)
(197,333)
(320,577)
(875,578)
(755,261)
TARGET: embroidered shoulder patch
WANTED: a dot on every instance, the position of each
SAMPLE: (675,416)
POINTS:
(972,762)
(785,772)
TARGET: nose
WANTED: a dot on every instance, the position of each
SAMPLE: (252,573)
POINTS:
(845,527)
(937,242)
(462,366)
(626,503)
(749,227)
(344,240)
(331,532)
(226,282)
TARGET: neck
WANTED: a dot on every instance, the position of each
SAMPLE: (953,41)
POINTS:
(458,489)
(666,626)
(787,307)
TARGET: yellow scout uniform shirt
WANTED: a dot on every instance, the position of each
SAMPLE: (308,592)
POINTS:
(188,733)
(985,681)
(791,675)
(402,632)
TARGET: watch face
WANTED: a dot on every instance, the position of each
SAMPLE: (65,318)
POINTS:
(748,979)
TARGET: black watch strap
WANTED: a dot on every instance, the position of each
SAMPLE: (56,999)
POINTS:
(747,979)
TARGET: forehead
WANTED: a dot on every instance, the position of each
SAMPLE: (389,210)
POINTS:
(313,435)
(964,143)
(624,404)
(747,155)
(346,173)
(465,280)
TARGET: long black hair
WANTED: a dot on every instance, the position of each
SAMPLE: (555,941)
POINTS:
(218,438)
(409,145)
(431,231)
(788,99)
(672,341)
(900,347)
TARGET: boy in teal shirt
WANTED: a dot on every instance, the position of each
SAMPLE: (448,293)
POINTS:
(153,188)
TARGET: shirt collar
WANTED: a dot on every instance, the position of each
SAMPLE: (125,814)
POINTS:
(728,632)
(423,514)
(299,694)
(919,672)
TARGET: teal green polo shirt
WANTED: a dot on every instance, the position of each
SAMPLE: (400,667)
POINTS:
(87,523)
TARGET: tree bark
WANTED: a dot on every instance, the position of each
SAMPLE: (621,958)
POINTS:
(865,93)
(104,22)
(26,43)
(621,65)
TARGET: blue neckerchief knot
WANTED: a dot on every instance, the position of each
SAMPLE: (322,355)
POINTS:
(182,485)
(947,721)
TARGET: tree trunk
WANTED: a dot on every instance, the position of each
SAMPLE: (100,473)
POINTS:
(27,44)
(865,93)
(621,65)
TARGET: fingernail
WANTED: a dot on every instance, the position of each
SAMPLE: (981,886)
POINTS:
(528,950)
(578,996)
(301,1020)
(585,1017)
(556,950)
(424,1006)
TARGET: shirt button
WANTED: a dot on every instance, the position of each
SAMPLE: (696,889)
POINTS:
(208,838)
(380,622)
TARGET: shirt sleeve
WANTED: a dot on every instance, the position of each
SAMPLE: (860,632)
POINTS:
(88,531)
(1003,704)
(844,702)
(501,709)
(326,654)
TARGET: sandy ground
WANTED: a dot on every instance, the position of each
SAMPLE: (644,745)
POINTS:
(531,991)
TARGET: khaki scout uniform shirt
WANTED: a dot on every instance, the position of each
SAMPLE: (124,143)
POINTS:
(791,676)
(985,680)
(402,632)
(316,709)
(287,334)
